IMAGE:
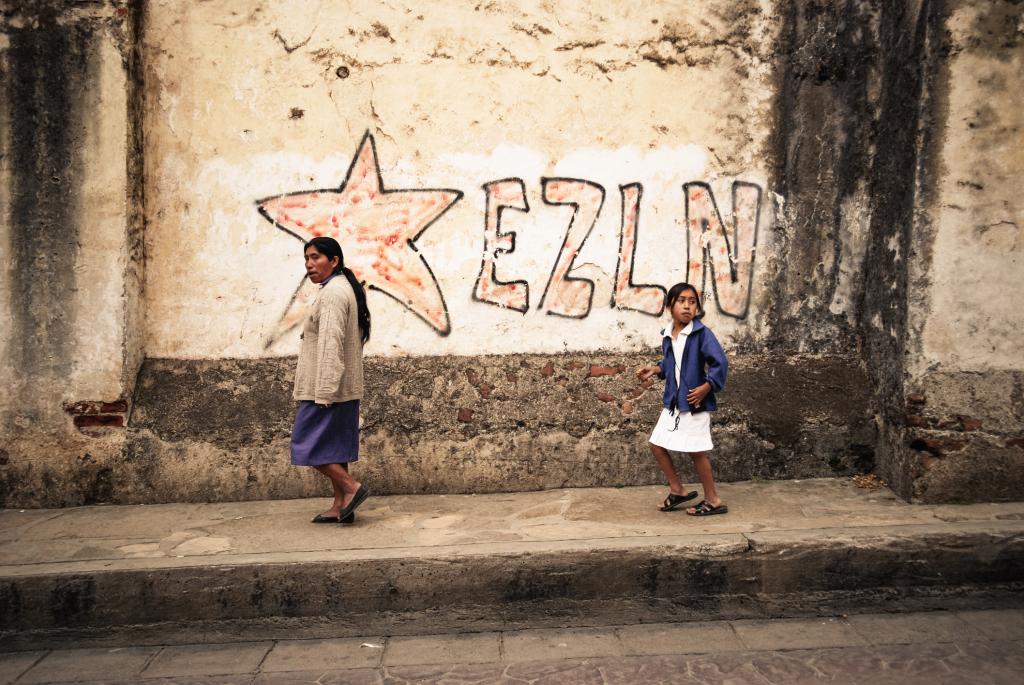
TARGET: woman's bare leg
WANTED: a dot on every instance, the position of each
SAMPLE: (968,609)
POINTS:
(344,486)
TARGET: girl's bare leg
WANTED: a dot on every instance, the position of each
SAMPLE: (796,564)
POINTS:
(664,460)
(702,465)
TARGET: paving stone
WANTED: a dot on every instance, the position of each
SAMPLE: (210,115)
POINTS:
(1000,662)
(890,629)
(311,655)
(73,665)
(197,660)
(1007,624)
(797,633)
(356,676)
(232,679)
(810,666)
(14,664)
(459,648)
(918,664)
(719,669)
(556,672)
(649,670)
(444,674)
(530,645)
(680,638)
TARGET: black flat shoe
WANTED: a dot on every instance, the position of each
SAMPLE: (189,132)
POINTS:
(325,519)
(350,519)
(361,494)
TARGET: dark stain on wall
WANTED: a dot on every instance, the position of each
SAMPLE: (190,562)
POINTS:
(821,117)
(48,71)
(851,118)
(230,403)
(492,423)
(911,44)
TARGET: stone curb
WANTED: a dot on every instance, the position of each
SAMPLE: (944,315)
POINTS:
(720,575)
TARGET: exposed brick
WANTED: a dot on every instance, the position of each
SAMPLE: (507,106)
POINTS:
(938,445)
(605,397)
(627,407)
(473,377)
(485,390)
(548,370)
(465,414)
(915,399)
(598,371)
(1015,442)
(637,392)
(575,365)
(917,420)
(969,423)
(118,407)
(99,421)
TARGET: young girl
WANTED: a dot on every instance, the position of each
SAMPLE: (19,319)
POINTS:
(694,368)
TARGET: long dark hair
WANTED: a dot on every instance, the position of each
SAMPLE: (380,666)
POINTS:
(677,290)
(330,248)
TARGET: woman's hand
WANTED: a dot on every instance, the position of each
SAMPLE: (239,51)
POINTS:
(697,395)
(645,372)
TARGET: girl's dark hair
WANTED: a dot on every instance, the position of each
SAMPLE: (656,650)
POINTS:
(330,248)
(678,288)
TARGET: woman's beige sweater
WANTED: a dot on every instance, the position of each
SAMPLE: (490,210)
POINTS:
(330,365)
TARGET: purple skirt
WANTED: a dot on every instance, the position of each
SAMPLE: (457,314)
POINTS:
(326,435)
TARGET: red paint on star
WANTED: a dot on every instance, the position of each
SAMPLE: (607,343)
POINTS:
(377,229)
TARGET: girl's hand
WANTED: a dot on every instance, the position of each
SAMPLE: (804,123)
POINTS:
(697,395)
(645,372)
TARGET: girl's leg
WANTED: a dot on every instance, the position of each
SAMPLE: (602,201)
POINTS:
(702,465)
(664,460)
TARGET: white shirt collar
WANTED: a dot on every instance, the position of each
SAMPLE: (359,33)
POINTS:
(667,330)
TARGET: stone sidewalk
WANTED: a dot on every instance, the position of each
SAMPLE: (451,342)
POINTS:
(489,562)
(103,538)
(926,648)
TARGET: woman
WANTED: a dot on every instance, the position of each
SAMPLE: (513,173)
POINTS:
(329,378)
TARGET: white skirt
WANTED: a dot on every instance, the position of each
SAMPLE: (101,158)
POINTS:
(691,434)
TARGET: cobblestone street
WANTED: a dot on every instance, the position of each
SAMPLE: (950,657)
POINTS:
(933,648)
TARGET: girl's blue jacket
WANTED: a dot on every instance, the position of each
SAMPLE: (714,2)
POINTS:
(703,360)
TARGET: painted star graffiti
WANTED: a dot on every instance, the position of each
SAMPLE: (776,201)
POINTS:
(377,229)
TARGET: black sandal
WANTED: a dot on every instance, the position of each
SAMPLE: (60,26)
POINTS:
(705,509)
(673,500)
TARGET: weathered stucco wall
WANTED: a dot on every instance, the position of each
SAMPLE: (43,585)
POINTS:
(513,110)
(966,401)
(71,268)
(518,183)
